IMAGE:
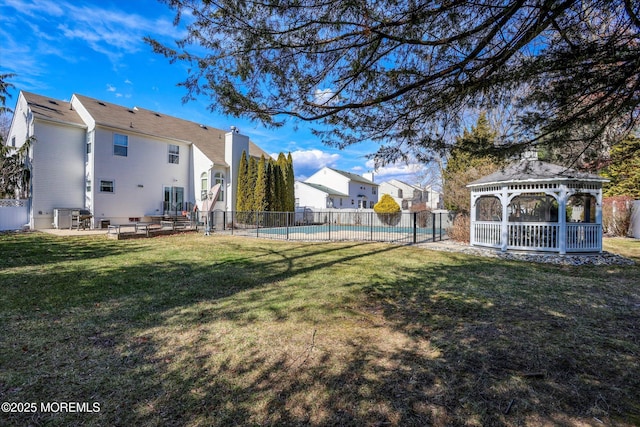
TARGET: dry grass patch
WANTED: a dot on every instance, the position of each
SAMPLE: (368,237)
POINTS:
(189,330)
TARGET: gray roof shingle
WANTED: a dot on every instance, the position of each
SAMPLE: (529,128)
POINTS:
(208,139)
(46,108)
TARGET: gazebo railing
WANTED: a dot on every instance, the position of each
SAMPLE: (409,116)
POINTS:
(539,236)
(582,237)
(487,233)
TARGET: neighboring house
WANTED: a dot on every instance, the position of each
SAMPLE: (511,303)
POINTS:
(332,188)
(407,195)
(122,164)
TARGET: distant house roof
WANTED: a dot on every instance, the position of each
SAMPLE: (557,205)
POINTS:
(534,170)
(397,183)
(325,189)
(354,177)
(46,108)
(210,140)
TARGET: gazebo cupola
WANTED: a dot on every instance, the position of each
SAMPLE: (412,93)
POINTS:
(537,206)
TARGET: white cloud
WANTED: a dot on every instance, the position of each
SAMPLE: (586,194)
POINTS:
(110,88)
(324,96)
(308,162)
(313,158)
(108,31)
(36,8)
(127,81)
(407,172)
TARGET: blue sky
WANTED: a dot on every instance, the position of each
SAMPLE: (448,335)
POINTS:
(96,48)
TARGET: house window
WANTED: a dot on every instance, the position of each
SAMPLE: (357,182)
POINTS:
(88,147)
(373,191)
(13,141)
(88,186)
(399,193)
(297,202)
(219,179)
(107,186)
(120,145)
(204,186)
(174,154)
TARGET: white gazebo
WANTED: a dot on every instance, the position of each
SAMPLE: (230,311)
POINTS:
(537,206)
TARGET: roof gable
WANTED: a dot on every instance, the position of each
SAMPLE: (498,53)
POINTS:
(210,140)
(51,109)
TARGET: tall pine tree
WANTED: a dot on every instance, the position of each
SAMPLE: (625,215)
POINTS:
(624,169)
(243,184)
(290,197)
(260,202)
(251,183)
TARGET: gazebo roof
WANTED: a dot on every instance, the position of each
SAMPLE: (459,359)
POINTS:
(534,171)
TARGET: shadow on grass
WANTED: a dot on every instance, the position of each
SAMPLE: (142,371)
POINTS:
(25,249)
(255,335)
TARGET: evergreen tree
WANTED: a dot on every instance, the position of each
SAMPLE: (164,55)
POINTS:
(278,186)
(388,210)
(15,173)
(251,184)
(269,187)
(624,169)
(290,196)
(260,201)
(468,162)
(243,184)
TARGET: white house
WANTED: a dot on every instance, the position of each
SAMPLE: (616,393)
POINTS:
(407,195)
(332,188)
(122,164)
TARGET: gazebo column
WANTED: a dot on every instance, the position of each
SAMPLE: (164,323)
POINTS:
(472,234)
(562,219)
(599,217)
(504,225)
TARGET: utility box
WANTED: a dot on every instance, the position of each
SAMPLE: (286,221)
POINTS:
(62,217)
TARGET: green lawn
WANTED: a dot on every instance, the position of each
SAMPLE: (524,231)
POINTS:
(198,331)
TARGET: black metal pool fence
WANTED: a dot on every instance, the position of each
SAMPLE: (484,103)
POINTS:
(335,225)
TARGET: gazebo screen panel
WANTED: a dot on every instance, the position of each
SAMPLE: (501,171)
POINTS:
(533,207)
(581,208)
(488,208)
